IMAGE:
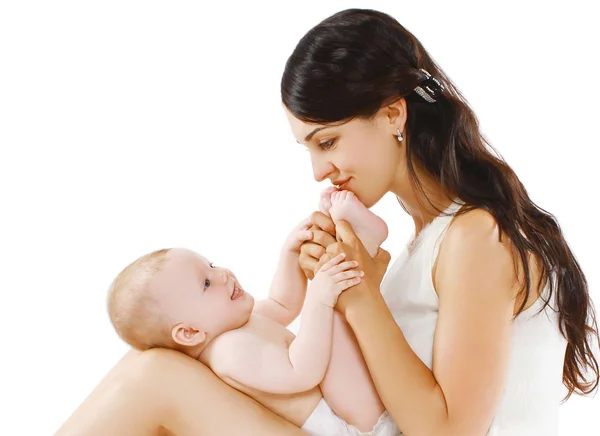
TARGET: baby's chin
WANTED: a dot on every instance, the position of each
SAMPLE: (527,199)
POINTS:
(249,304)
(247,296)
(248,301)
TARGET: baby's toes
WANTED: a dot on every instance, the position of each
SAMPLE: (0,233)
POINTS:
(326,193)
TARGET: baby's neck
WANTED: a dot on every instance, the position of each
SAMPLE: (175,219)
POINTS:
(194,352)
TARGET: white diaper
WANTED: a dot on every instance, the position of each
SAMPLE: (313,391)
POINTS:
(324,422)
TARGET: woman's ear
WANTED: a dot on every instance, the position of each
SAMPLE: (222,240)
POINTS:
(397,114)
(187,336)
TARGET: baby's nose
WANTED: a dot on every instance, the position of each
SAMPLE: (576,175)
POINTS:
(224,276)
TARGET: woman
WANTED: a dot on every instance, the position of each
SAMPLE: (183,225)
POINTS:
(476,326)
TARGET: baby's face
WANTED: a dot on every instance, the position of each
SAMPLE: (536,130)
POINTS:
(192,291)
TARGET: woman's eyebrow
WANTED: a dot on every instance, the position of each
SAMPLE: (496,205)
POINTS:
(311,134)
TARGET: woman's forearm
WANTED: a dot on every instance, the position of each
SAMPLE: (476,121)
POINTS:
(406,386)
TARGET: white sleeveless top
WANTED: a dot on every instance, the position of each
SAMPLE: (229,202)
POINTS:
(533,388)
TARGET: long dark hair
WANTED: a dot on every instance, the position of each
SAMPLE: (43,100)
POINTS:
(355,62)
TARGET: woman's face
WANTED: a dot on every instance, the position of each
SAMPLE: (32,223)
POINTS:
(362,156)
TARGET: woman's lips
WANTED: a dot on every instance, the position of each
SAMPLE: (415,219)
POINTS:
(344,186)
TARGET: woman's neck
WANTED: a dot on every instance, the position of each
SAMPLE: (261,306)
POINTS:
(423,208)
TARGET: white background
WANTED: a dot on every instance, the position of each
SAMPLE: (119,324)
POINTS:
(128,126)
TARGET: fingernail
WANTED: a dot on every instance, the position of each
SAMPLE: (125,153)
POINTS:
(342,255)
(362,273)
(309,234)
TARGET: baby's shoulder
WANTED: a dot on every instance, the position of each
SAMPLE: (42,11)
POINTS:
(231,340)
(223,349)
(234,345)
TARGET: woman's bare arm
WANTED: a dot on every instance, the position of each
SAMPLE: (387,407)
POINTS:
(475,283)
(164,392)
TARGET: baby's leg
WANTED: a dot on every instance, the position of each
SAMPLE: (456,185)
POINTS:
(369,228)
(347,386)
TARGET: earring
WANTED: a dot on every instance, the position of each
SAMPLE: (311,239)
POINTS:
(399,135)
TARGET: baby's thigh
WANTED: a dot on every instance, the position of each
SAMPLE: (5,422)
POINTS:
(348,387)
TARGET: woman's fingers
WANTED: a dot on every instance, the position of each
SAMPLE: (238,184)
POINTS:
(324,223)
(308,264)
(322,238)
(311,249)
(335,249)
(345,233)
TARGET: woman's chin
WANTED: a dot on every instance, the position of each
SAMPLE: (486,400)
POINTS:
(368,200)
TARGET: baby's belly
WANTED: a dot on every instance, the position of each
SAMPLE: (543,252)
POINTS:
(295,408)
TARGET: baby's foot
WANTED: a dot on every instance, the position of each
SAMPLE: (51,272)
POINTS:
(325,201)
(370,229)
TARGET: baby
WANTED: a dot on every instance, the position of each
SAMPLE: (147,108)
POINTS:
(175,298)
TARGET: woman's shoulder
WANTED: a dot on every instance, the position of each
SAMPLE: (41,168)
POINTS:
(475,228)
(472,224)
(473,250)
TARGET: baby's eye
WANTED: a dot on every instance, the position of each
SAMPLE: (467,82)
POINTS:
(212,265)
(206,284)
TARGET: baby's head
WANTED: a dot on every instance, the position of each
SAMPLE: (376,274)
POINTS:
(175,298)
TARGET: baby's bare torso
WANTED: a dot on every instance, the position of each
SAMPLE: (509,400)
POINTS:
(295,408)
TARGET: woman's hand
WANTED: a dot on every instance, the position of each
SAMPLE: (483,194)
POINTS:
(323,235)
(374,268)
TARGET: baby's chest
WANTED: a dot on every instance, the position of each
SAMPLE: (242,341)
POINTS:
(271,331)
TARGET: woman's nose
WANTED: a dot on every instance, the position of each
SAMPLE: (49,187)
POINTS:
(321,167)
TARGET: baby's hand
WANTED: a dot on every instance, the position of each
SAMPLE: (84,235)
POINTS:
(299,235)
(332,279)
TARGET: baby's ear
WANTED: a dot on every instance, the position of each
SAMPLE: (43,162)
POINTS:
(187,336)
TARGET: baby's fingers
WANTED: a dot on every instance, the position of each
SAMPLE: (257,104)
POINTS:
(346,284)
(304,225)
(333,262)
(344,266)
(345,275)
(302,235)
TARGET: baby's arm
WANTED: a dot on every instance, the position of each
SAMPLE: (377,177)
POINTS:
(270,367)
(287,291)
(288,287)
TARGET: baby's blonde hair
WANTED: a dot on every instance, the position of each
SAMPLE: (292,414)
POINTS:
(133,312)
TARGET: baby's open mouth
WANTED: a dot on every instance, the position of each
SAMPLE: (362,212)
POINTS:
(236,292)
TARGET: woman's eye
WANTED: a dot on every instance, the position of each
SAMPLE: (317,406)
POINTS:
(327,144)
(206,284)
